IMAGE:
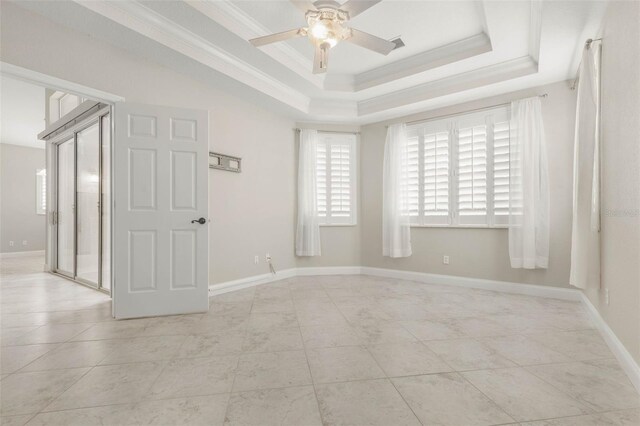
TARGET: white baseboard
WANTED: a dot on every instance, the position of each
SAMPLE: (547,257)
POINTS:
(621,353)
(225,287)
(477,283)
(13,254)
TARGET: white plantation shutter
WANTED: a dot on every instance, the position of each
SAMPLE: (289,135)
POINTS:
(335,179)
(413,175)
(472,174)
(436,174)
(321,179)
(501,172)
(462,167)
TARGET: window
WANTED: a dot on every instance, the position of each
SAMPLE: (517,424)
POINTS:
(41,191)
(458,170)
(336,178)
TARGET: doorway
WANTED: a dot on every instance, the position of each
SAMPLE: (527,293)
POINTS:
(81,194)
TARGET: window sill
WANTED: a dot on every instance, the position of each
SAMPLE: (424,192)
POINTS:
(462,226)
(339,225)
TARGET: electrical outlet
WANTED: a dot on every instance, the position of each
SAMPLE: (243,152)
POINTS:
(24,242)
(606,296)
(267,257)
(256,259)
(445,259)
(10,243)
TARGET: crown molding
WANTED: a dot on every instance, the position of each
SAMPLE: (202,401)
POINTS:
(144,21)
(443,55)
(457,83)
(234,19)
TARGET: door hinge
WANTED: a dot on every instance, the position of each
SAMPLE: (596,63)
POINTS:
(54,218)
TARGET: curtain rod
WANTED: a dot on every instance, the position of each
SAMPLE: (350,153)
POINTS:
(587,45)
(297,129)
(423,120)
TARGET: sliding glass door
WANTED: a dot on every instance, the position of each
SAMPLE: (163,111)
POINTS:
(66,208)
(88,199)
(83,204)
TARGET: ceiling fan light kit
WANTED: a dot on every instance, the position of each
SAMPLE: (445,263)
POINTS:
(326,20)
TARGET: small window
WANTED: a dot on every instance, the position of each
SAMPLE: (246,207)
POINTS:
(41,191)
(458,170)
(336,179)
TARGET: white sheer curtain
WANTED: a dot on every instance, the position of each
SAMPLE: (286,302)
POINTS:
(585,238)
(528,187)
(396,230)
(308,228)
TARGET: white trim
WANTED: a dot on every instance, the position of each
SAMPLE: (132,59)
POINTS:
(47,81)
(10,255)
(234,19)
(477,283)
(621,353)
(145,21)
(227,286)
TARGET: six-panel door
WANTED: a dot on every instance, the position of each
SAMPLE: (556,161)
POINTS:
(161,186)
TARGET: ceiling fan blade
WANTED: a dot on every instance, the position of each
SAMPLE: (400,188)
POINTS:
(320,59)
(303,5)
(371,42)
(356,7)
(273,38)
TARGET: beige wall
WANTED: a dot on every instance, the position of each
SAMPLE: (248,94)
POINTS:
(477,253)
(18,219)
(252,212)
(620,232)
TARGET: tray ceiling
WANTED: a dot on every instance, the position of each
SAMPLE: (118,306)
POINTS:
(454,51)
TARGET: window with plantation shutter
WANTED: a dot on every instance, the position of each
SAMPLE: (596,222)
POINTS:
(462,168)
(336,179)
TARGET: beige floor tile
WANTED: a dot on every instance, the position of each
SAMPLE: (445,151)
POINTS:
(369,402)
(73,355)
(139,349)
(108,385)
(432,330)
(271,370)
(342,364)
(524,396)
(263,306)
(172,325)
(448,399)
(271,321)
(9,336)
(613,418)
(468,354)
(524,350)
(221,343)
(407,359)
(235,308)
(289,406)
(15,420)
(197,411)
(52,333)
(113,330)
(319,314)
(281,339)
(214,324)
(195,376)
(327,336)
(24,393)
(600,385)
(582,345)
(375,334)
(15,357)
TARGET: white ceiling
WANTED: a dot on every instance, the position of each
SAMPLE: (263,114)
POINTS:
(22,113)
(455,51)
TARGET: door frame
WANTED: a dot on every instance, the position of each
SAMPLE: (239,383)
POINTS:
(51,82)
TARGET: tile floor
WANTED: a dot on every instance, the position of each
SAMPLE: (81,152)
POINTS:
(350,350)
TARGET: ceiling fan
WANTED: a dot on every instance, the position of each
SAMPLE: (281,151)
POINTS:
(327,25)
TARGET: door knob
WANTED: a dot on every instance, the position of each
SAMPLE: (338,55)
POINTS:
(201,221)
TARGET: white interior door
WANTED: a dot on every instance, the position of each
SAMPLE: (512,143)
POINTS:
(160,190)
